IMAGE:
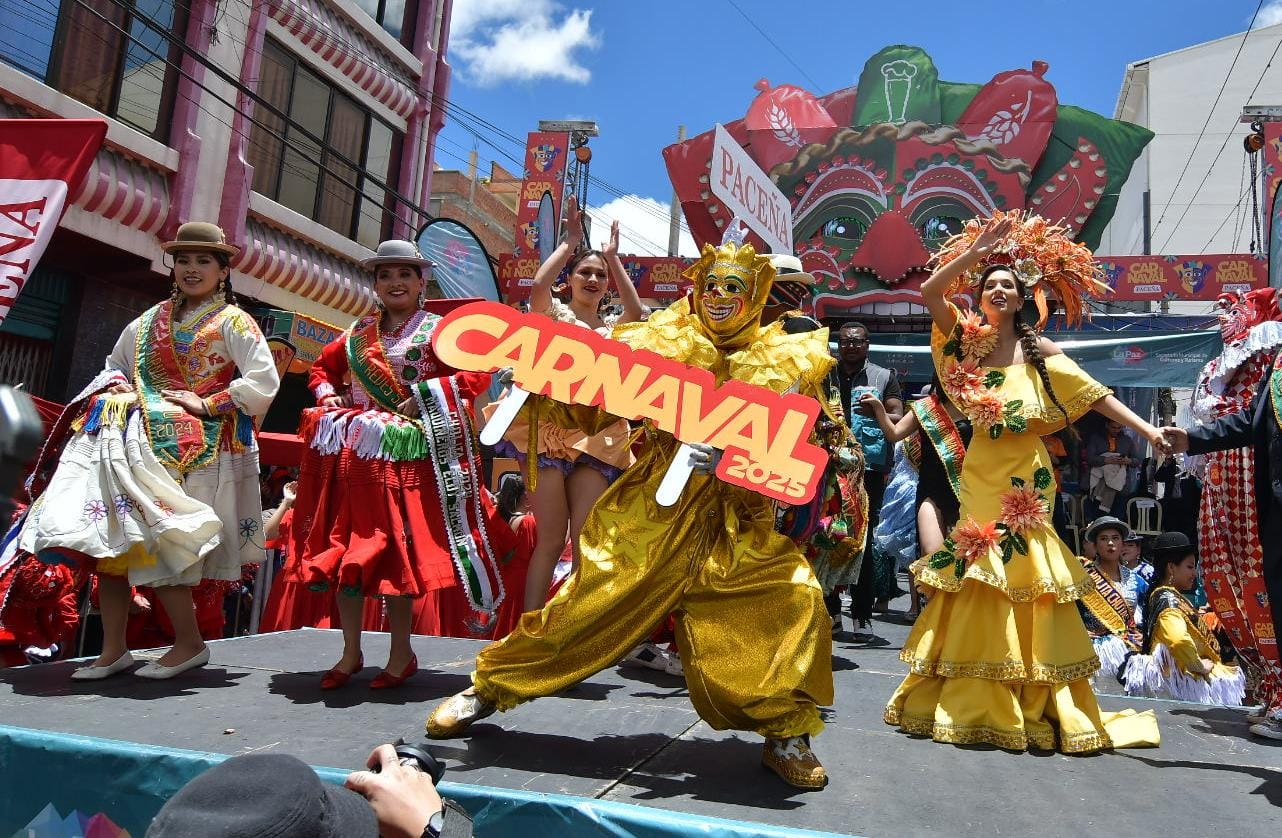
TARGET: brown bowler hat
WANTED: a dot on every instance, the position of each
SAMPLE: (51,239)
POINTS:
(200,235)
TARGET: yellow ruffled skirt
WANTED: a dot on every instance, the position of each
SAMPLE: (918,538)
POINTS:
(986,669)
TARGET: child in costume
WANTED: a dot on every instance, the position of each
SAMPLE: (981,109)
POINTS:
(1181,652)
(999,654)
(391,502)
(158,485)
(935,435)
(1112,606)
(572,468)
(712,557)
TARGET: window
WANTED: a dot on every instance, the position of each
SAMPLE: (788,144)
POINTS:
(326,161)
(395,16)
(81,48)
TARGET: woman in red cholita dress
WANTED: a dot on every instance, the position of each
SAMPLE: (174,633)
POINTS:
(391,502)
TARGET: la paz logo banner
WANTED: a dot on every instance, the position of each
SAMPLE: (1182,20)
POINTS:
(764,435)
(42,163)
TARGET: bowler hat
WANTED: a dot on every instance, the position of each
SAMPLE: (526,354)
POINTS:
(1173,544)
(1107,522)
(396,252)
(264,794)
(200,235)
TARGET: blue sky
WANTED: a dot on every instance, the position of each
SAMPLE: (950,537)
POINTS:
(642,67)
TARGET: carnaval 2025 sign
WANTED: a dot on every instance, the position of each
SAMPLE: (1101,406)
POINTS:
(764,435)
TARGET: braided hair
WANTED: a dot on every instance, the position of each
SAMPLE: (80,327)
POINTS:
(1028,341)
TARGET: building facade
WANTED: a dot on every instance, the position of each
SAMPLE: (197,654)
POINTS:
(1193,174)
(305,128)
(486,205)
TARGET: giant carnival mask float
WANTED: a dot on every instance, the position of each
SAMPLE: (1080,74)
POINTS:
(880,175)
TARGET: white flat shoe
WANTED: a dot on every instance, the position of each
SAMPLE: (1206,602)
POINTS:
(157,672)
(97,673)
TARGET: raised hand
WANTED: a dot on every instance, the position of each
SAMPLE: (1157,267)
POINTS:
(995,232)
(573,223)
(611,247)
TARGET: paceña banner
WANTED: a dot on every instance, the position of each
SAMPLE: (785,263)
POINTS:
(42,163)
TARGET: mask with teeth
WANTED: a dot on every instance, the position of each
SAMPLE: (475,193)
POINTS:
(731,284)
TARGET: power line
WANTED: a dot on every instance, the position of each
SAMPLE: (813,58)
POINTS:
(1241,45)
(1227,136)
(778,48)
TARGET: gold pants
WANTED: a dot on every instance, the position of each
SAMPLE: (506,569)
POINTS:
(754,635)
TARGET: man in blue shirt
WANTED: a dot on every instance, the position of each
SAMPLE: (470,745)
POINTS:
(856,376)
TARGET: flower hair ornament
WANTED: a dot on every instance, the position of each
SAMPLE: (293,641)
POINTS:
(1040,254)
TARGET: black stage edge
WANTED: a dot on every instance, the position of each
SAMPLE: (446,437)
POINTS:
(630,735)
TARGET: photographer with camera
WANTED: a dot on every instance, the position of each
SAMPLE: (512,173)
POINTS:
(279,795)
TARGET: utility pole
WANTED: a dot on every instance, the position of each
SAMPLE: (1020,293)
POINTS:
(674,214)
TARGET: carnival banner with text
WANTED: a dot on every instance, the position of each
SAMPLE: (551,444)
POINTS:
(42,163)
(1182,277)
(656,277)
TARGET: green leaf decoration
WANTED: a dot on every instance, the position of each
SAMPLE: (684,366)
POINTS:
(995,431)
(1008,551)
(1021,543)
(1017,482)
(959,569)
(1042,478)
(995,378)
(953,347)
(1013,406)
(1017,424)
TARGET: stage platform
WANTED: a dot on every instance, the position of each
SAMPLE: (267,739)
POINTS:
(630,736)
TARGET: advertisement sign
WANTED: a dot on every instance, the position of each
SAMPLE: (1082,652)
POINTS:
(546,156)
(1118,359)
(42,163)
(749,193)
(1182,277)
(656,277)
(305,336)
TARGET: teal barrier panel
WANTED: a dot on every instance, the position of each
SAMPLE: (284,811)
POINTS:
(129,782)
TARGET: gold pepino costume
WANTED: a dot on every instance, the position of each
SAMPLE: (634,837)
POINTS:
(1000,655)
(752,628)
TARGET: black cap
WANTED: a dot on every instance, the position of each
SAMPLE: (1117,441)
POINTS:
(264,794)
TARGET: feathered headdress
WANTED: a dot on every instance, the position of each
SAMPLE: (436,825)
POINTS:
(1041,255)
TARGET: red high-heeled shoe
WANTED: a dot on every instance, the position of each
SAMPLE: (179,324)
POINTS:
(336,677)
(385,680)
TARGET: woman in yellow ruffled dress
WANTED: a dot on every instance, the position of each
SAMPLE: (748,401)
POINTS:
(1000,654)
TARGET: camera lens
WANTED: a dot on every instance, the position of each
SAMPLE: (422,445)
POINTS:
(421,758)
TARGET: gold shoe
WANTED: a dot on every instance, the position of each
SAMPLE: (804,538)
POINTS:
(794,762)
(456,713)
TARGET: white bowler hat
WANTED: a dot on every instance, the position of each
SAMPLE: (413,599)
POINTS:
(788,269)
(396,252)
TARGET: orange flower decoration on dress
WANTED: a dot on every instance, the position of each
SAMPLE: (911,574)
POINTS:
(962,379)
(974,539)
(978,338)
(1024,509)
(987,409)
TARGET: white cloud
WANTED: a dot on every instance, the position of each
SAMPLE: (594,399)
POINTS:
(1269,15)
(520,40)
(643,227)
